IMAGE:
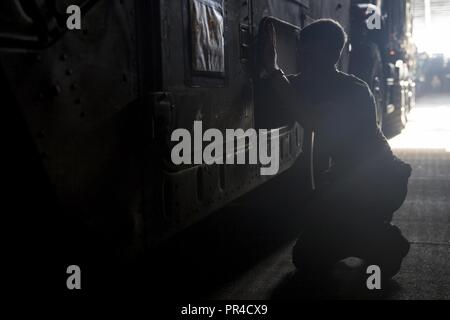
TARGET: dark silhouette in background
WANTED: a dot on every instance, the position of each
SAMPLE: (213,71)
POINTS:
(433,74)
(359,181)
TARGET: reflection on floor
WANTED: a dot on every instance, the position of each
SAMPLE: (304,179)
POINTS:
(425,216)
(428,125)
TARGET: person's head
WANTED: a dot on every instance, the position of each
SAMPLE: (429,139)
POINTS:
(320,44)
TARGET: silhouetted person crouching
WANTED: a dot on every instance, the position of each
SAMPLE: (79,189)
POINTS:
(362,183)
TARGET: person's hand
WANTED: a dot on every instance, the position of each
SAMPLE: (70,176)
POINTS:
(269,55)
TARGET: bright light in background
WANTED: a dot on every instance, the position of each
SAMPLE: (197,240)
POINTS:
(434,38)
(431,25)
(428,128)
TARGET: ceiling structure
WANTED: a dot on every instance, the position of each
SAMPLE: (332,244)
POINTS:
(431,22)
(438,9)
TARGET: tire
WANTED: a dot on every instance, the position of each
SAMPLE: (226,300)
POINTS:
(397,120)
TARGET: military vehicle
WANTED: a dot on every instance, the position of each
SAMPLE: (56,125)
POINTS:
(385,58)
(101,102)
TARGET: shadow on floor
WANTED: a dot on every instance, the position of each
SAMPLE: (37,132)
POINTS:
(201,259)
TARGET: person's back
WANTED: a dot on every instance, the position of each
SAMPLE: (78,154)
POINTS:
(343,117)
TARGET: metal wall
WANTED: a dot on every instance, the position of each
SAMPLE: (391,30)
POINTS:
(78,98)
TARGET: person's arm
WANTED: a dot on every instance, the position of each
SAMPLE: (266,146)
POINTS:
(279,82)
(283,88)
(367,123)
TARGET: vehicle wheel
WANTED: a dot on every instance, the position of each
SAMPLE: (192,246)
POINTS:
(397,122)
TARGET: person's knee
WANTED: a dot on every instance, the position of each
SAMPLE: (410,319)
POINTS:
(399,243)
(404,247)
(396,251)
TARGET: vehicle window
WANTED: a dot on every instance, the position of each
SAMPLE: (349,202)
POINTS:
(207,28)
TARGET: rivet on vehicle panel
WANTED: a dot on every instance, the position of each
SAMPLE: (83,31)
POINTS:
(55,90)
(41,134)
